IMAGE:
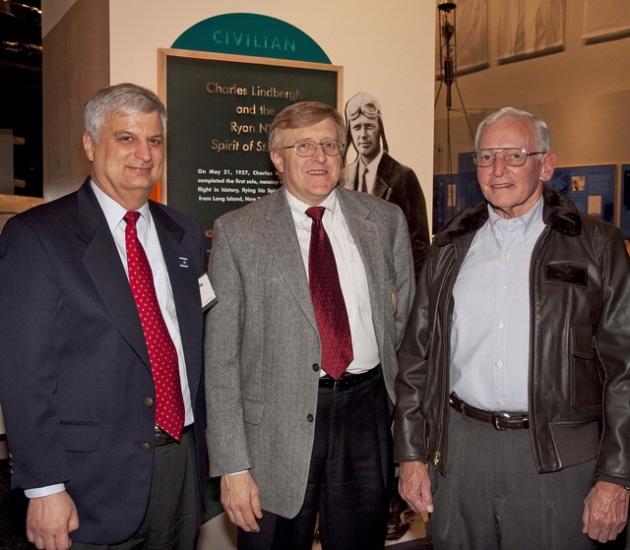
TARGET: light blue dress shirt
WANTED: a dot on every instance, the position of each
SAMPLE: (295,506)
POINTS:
(490,329)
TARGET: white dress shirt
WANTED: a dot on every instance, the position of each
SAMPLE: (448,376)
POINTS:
(490,329)
(370,177)
(352,277)
(148,237)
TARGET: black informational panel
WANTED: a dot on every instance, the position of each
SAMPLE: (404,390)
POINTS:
(625,201)
(220,108)
(591,188)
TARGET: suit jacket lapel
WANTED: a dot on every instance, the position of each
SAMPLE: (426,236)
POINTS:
(367,237)
(381,187)
(182,279)
(352,175)
(102,262)
(283,244)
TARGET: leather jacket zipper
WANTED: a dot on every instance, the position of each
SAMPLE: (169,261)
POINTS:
(533,271)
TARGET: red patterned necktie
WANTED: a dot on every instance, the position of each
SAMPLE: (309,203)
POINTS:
(169,403)
(328,303)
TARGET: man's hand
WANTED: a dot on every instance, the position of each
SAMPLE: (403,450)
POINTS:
(605,511)
(414,485)
(240,498)
(50,519)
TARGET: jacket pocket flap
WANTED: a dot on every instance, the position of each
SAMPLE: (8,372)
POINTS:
(252,411)
(80,436)
(582,342)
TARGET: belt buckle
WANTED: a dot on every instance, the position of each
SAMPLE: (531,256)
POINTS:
(498,421)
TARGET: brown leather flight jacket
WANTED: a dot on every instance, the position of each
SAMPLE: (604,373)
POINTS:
(579,363)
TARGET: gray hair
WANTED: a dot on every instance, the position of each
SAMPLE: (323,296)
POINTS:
(301,115)
(127,99)
(538,125)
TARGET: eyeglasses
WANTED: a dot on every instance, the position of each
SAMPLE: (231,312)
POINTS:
(512,156)
(308,148)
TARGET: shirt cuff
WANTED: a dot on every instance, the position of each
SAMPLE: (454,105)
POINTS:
(236,473)
(38,492)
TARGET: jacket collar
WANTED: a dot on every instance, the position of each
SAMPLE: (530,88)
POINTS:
(559,213)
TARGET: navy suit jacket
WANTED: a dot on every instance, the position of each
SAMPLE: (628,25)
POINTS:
(74,368)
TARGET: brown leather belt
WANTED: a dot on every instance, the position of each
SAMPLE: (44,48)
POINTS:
(500,420)
(161,438)
(349,380)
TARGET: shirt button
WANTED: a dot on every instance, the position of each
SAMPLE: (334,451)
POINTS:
(148,401)
(503,288)
(146,446)
(501,325)
(309,417)
(315,367)
(499,364)
(501,402)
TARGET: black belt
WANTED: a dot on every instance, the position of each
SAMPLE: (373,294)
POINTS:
(348,379)
(500,420)
(161,438)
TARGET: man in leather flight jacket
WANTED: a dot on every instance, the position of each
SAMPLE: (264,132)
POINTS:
(513,417)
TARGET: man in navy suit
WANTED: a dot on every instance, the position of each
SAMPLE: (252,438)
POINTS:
(100,378)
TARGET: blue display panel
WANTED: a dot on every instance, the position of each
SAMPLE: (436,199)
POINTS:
(451,194)
(591,188)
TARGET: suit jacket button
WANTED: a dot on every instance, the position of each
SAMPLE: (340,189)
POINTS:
(148,401)
(315,367)
(146,446)
(309,417)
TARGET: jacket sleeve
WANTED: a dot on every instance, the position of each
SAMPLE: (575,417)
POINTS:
(409,423)
(407,193)
(30,296)
(227,443)
(612,343)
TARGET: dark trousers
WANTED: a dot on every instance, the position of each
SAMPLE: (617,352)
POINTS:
(493,498)
(349,477)
(174,511)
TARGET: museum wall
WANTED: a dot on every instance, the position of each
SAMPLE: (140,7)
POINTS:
(388,52)
(583,92)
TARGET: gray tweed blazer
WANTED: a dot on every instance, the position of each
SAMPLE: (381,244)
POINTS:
(261,336)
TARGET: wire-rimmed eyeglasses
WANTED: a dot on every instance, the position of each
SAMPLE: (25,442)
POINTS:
(512,156)
(330,147)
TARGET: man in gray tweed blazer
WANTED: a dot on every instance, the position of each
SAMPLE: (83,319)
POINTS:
(290,434)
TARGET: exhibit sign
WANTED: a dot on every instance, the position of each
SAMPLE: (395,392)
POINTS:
(251,34)
(220,108)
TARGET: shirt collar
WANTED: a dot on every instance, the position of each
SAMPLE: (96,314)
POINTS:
(525,224)
(114,212)
(299,208)
(372,166)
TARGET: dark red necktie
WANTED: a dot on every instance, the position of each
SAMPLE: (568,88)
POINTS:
(169,403)
(328,303)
